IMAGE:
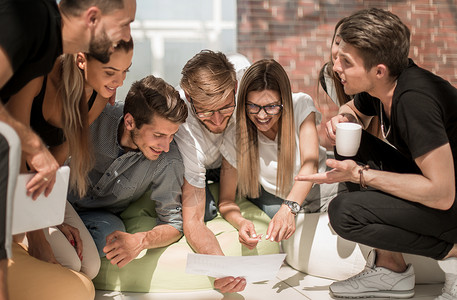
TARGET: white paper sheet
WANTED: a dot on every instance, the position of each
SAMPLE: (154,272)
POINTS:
(252,268)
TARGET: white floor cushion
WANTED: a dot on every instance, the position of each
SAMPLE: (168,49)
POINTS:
(317,250)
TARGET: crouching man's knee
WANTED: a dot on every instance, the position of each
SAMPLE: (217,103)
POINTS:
(342,214)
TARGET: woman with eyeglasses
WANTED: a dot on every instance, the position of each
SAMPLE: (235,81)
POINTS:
(276,139)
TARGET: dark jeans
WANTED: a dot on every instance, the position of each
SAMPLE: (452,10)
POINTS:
(383,221)
(212,176)
(267,202)
(4,155)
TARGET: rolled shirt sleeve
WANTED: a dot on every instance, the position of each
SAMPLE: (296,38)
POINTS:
(166,192)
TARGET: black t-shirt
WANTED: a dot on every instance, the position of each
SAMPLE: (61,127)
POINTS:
(423,113)
(51,135)
(31,36)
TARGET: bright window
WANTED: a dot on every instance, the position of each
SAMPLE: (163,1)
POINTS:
(168,33)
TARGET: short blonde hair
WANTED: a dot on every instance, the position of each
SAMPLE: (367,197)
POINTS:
(208,78)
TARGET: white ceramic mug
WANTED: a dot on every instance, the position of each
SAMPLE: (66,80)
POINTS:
(348,138)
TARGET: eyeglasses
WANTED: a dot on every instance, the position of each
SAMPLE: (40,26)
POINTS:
(226,110)
(272,109)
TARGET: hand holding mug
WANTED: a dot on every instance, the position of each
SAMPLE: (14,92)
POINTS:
(348,137)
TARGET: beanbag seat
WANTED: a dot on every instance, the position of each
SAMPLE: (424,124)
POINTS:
(317,250)
(163,269)
(32,279)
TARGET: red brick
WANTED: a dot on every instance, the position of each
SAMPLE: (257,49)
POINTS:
(298,34)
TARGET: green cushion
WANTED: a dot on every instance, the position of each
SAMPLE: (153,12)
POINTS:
(163,269)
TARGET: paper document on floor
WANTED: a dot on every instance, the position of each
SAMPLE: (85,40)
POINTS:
(252,268)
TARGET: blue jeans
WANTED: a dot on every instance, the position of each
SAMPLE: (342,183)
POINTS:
(267,202)
(100,224)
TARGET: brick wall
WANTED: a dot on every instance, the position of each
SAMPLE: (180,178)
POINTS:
(297,33)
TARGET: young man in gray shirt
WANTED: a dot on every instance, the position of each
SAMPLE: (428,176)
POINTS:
(135,152)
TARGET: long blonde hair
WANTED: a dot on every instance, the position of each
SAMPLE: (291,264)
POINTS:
(265,74)
(75,123)
(75,117)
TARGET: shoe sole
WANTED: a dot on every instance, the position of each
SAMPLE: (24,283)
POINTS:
(375,294)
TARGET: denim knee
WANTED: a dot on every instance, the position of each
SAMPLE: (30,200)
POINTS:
(100,224)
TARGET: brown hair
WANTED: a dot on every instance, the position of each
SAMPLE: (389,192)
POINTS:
(342,98)
(380,37)
(76,7)
(327,68)
(265,74)
(208,77)
(150,96)
(122,45)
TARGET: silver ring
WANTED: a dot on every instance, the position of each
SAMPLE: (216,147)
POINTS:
(45,179)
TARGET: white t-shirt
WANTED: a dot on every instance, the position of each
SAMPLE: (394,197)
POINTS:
(268,149)
(201,149)
(319,196)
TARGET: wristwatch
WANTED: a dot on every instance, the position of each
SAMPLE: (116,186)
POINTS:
(293,206)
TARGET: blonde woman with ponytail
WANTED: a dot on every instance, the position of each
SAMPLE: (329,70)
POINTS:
(276,139)
(62,105)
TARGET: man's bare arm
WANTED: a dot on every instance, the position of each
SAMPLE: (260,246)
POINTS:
(122,247)
(198,235)
(434,188)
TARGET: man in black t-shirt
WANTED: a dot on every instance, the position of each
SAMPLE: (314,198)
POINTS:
(405,201)
(34,33)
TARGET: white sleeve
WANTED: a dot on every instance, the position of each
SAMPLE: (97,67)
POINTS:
(303,106)
(192,156)
(228,147)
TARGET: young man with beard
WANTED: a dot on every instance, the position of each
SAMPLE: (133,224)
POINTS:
(406,203)
(35,33)
(29,51)
(209,84)
(135,152)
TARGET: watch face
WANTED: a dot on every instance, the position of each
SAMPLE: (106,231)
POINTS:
(295,207)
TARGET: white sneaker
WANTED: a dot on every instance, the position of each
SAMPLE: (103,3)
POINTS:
(376,281)
(449,266)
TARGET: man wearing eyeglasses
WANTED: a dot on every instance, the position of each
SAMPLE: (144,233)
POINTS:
(208,85)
